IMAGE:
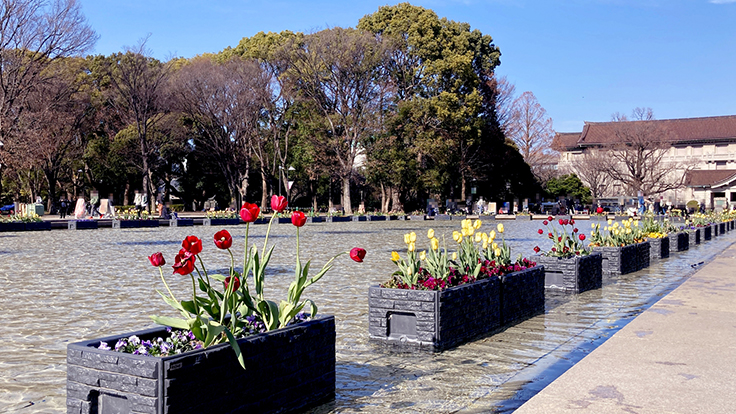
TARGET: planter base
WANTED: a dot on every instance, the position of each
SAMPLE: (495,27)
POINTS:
(574,274)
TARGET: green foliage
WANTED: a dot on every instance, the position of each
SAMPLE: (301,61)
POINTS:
(568,185)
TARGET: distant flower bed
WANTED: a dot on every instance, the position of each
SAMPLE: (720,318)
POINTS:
(15,218)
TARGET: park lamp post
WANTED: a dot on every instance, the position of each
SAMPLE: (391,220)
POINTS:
(286,184)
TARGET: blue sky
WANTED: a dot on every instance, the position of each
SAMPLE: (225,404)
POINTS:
(583,59)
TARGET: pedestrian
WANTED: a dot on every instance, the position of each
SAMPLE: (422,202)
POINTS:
(62,209)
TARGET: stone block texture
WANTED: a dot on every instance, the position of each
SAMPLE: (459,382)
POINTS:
(693,236)
(291,369)
(522,294)
(659,248)
(625,259)
(81,224)
(679,241)
(134,224)
(574,274)
(707,233)
(721,228)
(180,222)
(433,320)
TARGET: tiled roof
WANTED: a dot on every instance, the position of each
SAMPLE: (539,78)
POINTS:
(708,178)
(565,140)
(684,130)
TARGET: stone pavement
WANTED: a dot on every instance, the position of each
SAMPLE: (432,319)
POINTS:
(679,356)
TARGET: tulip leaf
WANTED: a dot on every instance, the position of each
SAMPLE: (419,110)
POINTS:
(234,345)
(172,322)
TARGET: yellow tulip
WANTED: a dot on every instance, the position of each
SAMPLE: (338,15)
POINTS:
(500,227)
(497,252)
(636,223)
(395,256)
(412,246)
(485,244)
(454,256)
(610,222)
(457,236)
(406,238)
(465,223)
(430,234)
(412,237)
(478,237)
(470,231)
(494,246)
(592,225)
(435,244)
(423,255)
(477,224)
(628,231)
(492,235)
(464,232)
(484,236)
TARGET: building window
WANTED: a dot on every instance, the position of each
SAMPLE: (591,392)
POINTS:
(721,165)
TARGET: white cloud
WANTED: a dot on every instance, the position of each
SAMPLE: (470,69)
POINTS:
(721,1)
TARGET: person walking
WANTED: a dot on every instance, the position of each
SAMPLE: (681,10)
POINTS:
(62,208)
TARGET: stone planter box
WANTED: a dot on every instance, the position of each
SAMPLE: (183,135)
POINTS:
(659,248)
(220,222)
(693,236)
(522,294)
(37,226)
(623,260)
(182,222)
(707,233)
(442,217)
(433,320)
(573,274)
(376,218)
(415,218)
(81,224)
(13,226)
(133,224)
(714,230)
(359,218)
(286,370)
(679,241)
(316,219)
(338,219)
(400,218)
(721,228)
(505,217)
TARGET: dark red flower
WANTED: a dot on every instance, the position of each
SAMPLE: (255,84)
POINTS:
(223,239)
(545,222)
(540,231)
(561,221)
(192,244)
(278,203)
(575,230)
(572,221)
(157,259)
(298,218)
(536,249)
(582,237)
(599,210)
(550,218)
(184,263)
(249,212)
(236,283)
(357,254)
(550,235)
(559,238)
(554,249)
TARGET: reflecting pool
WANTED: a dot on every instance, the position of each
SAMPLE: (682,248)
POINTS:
(63,286)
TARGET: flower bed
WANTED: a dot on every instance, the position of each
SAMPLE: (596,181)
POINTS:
(679,241)
(574,274)
(659,248)
(82,224)
(278,376)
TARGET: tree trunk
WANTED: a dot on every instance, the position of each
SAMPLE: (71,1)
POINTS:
(264,193)
(51,181)
(126,195)
(314,196)
(346,204)
(462,189)
(395,200)
(384,199)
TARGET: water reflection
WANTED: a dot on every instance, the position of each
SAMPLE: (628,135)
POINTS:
(63,286)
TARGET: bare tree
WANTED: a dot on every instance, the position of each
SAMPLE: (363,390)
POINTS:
(32,34)
(638,155)
(592,167)
(504,100)
(225,102)
(139,82)
(337,71)
(531,130)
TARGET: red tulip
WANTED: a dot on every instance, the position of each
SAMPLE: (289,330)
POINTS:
(298,218)
(223,239)
(249,212)
(561,221)
(575,230)
(559,238)
(536,249)
(550,235)
(236,283)
(599,210)
(192,244)
(184,263)
(540,231)
(157,259)
(582,237)
(357,254)
(572,221)
(278,203)
(545,222)
(550,218)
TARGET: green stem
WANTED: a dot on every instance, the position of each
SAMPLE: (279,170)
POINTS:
(268,232)
(194,294)
(205,271)
(245,252)
(166,284)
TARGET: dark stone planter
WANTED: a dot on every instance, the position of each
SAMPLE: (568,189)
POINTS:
(693,236)
(37,226)
(415,218)
(721,228)
(221,222)
(359,218)
(13,226)
(133,224)
(182,222)
(573,274)
(376,218)
(433,320)
(286,370)
(337,219)
(522,294)
(82,224)
(714,230)
(316,219)
(679,241)
(400,218)
(659,248)
(623,260)
(439,217)
(707,233)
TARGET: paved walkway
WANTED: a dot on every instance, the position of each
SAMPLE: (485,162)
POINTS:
(679,356)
